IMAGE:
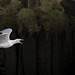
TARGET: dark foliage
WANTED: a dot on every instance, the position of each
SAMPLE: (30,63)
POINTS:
(48,33)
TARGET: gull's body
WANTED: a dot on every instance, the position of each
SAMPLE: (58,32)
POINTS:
(6,44)
(5,41)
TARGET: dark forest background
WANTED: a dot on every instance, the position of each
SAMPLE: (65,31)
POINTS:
(48,30)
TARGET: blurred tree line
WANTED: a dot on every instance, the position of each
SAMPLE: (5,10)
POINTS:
(34,16)
(41,18)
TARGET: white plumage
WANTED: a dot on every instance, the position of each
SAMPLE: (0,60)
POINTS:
(5,41)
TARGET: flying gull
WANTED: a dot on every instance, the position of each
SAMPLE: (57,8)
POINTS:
(5,41)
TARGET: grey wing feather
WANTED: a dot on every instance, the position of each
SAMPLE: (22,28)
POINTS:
(3,38)
(7,31)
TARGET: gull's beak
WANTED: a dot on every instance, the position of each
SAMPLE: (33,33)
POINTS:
(21,40)
(21,43)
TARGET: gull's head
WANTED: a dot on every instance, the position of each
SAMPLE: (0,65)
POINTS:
(19,41)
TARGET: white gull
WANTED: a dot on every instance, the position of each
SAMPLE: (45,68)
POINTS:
(5,41)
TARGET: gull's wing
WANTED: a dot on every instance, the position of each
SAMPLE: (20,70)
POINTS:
(3,38)
(7,31)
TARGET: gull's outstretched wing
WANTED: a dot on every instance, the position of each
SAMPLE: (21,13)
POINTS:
(7,31)
(3,38)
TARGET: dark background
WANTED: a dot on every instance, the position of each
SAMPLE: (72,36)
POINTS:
(40,56)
